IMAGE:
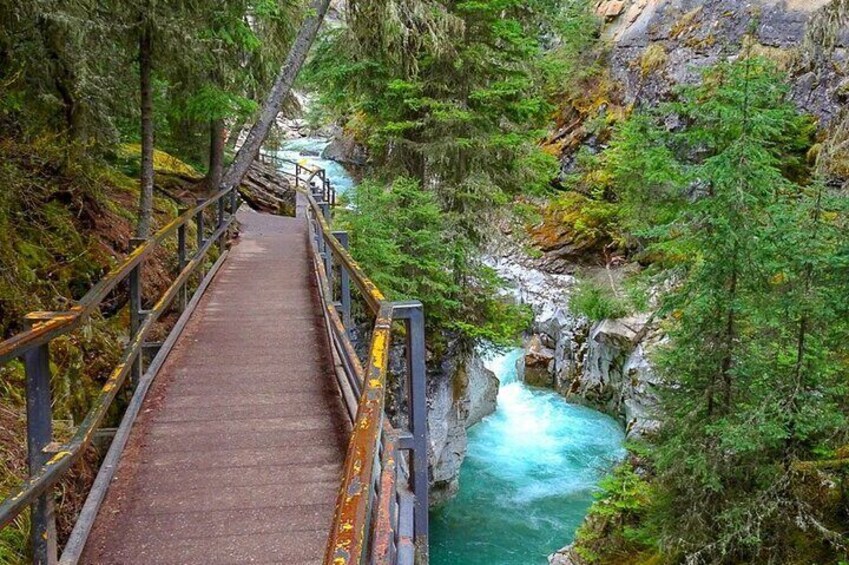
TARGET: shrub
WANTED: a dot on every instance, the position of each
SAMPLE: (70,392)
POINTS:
(597,303)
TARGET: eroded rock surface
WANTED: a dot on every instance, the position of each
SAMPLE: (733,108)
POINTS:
(565,556)
(658,44)
(604,365)
(460,394)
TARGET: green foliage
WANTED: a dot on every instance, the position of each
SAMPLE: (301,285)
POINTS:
(13,540)
(211,103)
(457,109)
(597,302)
(397,236)
(451,95)
(575,58)
(71,68)
(400,237)
(614,531)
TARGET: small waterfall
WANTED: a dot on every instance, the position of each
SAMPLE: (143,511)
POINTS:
(528,477)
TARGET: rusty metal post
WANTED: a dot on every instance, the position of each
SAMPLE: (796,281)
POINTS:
(39,436)
(317,229)
(136,313)
(325,211)
(412,313)
(328,267)
(201,239)
(344,283)
(182,259)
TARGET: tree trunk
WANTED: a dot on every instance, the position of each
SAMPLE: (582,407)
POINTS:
(216,155)
(145,69)
(282,86)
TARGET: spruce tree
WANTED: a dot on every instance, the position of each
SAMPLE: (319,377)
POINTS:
(756,361)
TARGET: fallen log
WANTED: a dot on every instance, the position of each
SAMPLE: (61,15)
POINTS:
(266,190)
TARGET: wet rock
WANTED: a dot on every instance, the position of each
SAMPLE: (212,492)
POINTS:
(565,556)
(611,376)
(695,34)
(538,364)
(345,150)
(447,449)
(481,391)
(460,394)
(604,365)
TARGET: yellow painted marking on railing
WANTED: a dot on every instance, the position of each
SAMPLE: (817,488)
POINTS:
(58,457)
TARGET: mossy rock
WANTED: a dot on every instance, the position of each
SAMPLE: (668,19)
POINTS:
(162,162)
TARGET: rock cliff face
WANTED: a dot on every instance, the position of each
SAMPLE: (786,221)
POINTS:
(460,393)
(604,365)
(655,45)
(660,43)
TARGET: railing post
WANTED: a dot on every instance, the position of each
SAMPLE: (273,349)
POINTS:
(233,207)
(297,175)
(413,315)
(344,283)
(201,240)
(221,238)
(199,222)
(39,436)
(182,259)
(325,210)
(136,314)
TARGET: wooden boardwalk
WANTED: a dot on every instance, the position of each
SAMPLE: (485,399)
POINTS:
(237,454)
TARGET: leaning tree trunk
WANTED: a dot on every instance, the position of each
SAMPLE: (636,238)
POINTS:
(282,86)
(216,155)
(145,69)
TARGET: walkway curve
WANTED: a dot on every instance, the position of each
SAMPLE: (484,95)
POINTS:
(237,454)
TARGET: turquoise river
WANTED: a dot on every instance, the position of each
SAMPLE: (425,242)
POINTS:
(528,478)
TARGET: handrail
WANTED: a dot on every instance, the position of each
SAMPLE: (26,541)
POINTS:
(381,511)
(48,461)
(59,323)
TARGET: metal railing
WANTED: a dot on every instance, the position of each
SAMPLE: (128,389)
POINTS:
(49,460)
(381,513)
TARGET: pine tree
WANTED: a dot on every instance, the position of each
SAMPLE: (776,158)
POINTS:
(451,94)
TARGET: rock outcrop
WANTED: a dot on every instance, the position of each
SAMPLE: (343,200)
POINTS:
(460,394)
(658,44)
(345,150)
(654,46)
(604,365)
(537,366)
(565,556)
